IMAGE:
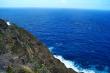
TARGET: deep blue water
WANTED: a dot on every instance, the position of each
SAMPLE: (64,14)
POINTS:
(82,36)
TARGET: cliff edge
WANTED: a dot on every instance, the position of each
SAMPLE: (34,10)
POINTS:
(20,52)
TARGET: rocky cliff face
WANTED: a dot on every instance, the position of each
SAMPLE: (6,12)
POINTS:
(20,52)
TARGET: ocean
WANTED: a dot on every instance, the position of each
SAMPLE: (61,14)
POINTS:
(79,38)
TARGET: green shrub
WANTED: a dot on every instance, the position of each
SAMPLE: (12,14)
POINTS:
(10,69)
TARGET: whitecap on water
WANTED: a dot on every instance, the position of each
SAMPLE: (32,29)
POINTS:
(8,23)
(68,64)
(51,48)
(71,64)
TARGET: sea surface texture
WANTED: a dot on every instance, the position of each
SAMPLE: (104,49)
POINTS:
(79,38)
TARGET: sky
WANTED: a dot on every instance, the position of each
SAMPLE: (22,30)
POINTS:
(82,4)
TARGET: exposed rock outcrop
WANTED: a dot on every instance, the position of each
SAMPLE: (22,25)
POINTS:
(20,52)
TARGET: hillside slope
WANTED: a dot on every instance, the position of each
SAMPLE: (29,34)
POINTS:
(20,52)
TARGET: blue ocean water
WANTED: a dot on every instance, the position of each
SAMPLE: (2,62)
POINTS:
(78,36)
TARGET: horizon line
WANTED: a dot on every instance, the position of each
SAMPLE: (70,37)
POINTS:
(55,8)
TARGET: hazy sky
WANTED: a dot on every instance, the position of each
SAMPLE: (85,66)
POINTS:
(86,4)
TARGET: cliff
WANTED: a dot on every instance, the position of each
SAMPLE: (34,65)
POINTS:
(20,52)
